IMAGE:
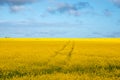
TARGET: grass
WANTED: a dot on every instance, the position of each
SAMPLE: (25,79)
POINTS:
(59,59)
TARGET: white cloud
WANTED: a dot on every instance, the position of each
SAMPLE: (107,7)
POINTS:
(16,5)
(17,8)
(116,2)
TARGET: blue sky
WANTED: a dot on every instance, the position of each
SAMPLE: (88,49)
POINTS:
(60,18)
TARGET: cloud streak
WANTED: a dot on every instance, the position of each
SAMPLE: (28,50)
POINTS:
(16,5)
(111,34)
(73,9)
(116,2)
(16,2)
(107,12)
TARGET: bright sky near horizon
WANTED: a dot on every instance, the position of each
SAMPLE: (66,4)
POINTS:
(60,18)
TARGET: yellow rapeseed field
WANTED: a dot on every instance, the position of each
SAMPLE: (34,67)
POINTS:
(59,59)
